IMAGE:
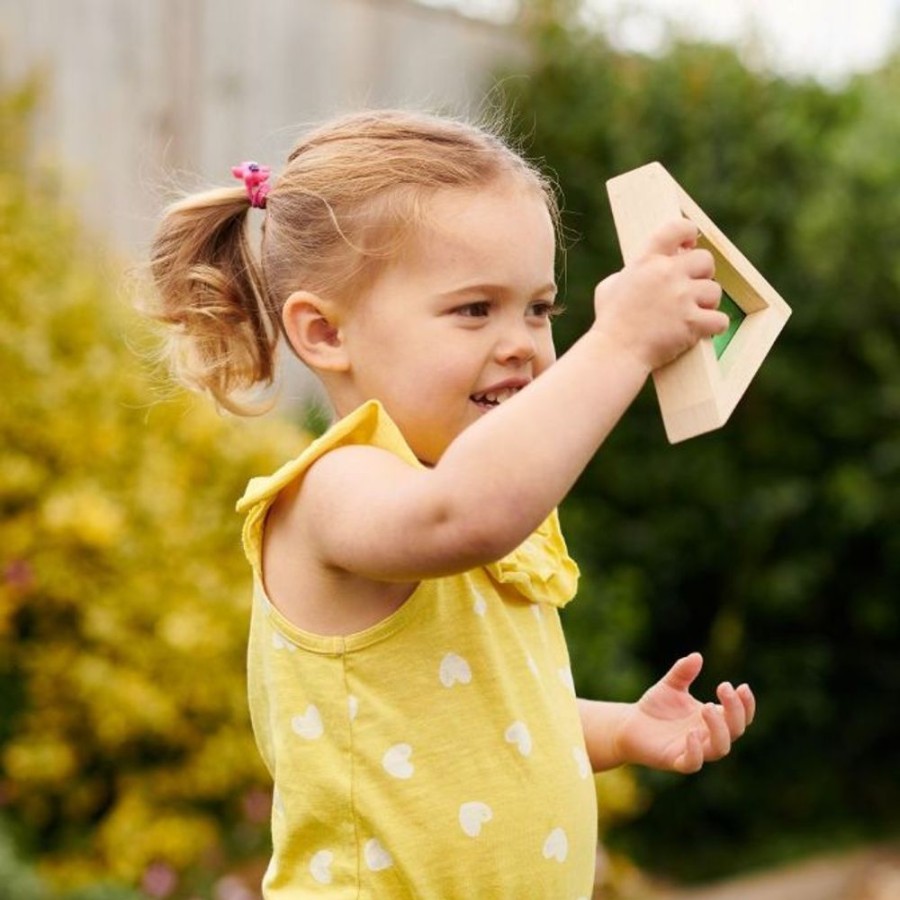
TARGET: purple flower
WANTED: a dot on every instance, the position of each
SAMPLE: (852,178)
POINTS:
(257,805)
(19,574)
(160,880)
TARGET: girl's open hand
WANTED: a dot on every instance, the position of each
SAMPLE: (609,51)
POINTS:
(669,729)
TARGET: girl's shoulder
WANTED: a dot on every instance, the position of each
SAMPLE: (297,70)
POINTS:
(290,517)
(368,425)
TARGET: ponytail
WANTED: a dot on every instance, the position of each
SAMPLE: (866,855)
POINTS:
(210,293)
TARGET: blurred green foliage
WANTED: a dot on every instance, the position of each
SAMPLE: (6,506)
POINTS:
(124,737)
(772,545)
(18,881)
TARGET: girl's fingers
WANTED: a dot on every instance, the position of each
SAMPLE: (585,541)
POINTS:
(699,263)
(748,701)
(692,759)
(733,706)
(672,237)
(682,674)
(719,736)
(710,321)
(709,295)
(725,722)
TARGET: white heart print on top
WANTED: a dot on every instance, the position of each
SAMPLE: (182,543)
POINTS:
(579,754)
(377,858)
(279,642)
(518,734)
(454,669)
(320,866)
(309,725)
(473,815)
(556,846)
(565,676)
(397,761)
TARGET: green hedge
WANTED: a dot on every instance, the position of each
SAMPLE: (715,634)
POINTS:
(772,545)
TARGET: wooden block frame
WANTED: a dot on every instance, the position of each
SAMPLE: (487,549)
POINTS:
(698,391)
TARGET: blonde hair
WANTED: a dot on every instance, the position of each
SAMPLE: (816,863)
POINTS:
(350,194)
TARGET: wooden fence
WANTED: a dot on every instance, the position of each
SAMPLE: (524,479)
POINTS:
(141,95)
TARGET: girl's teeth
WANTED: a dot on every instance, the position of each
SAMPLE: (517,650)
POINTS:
(498,396)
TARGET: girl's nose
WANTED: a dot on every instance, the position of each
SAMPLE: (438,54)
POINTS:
(516,346)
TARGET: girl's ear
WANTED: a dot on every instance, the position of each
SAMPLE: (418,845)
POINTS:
(312,327)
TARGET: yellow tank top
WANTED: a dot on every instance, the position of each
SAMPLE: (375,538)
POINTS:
(438,754)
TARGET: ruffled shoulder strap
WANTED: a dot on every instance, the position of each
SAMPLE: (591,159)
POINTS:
(368,424)
(540,568)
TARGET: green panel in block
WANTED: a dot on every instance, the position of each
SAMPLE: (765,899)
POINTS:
(735,315)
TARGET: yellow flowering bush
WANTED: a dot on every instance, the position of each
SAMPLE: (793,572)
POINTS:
(124,736)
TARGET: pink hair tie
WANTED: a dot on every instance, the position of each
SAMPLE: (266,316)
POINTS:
(255,178)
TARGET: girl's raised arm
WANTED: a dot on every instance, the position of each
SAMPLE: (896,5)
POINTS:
(369,513)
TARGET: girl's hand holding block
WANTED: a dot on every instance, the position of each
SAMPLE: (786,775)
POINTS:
(699,389)
(664,301)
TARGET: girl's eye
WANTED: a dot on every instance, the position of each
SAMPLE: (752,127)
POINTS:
(478,309)
(546,309)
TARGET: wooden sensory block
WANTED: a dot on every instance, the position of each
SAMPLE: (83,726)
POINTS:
(699,390)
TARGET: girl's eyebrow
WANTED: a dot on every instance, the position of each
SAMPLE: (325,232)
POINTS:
(489,288)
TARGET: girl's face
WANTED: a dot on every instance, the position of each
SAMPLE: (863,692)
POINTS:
(461,321)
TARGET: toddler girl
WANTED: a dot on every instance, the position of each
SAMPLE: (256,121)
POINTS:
(409,682)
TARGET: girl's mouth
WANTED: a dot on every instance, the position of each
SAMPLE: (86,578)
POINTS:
(490,399)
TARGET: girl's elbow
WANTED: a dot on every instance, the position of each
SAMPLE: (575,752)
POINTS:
(481,539)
